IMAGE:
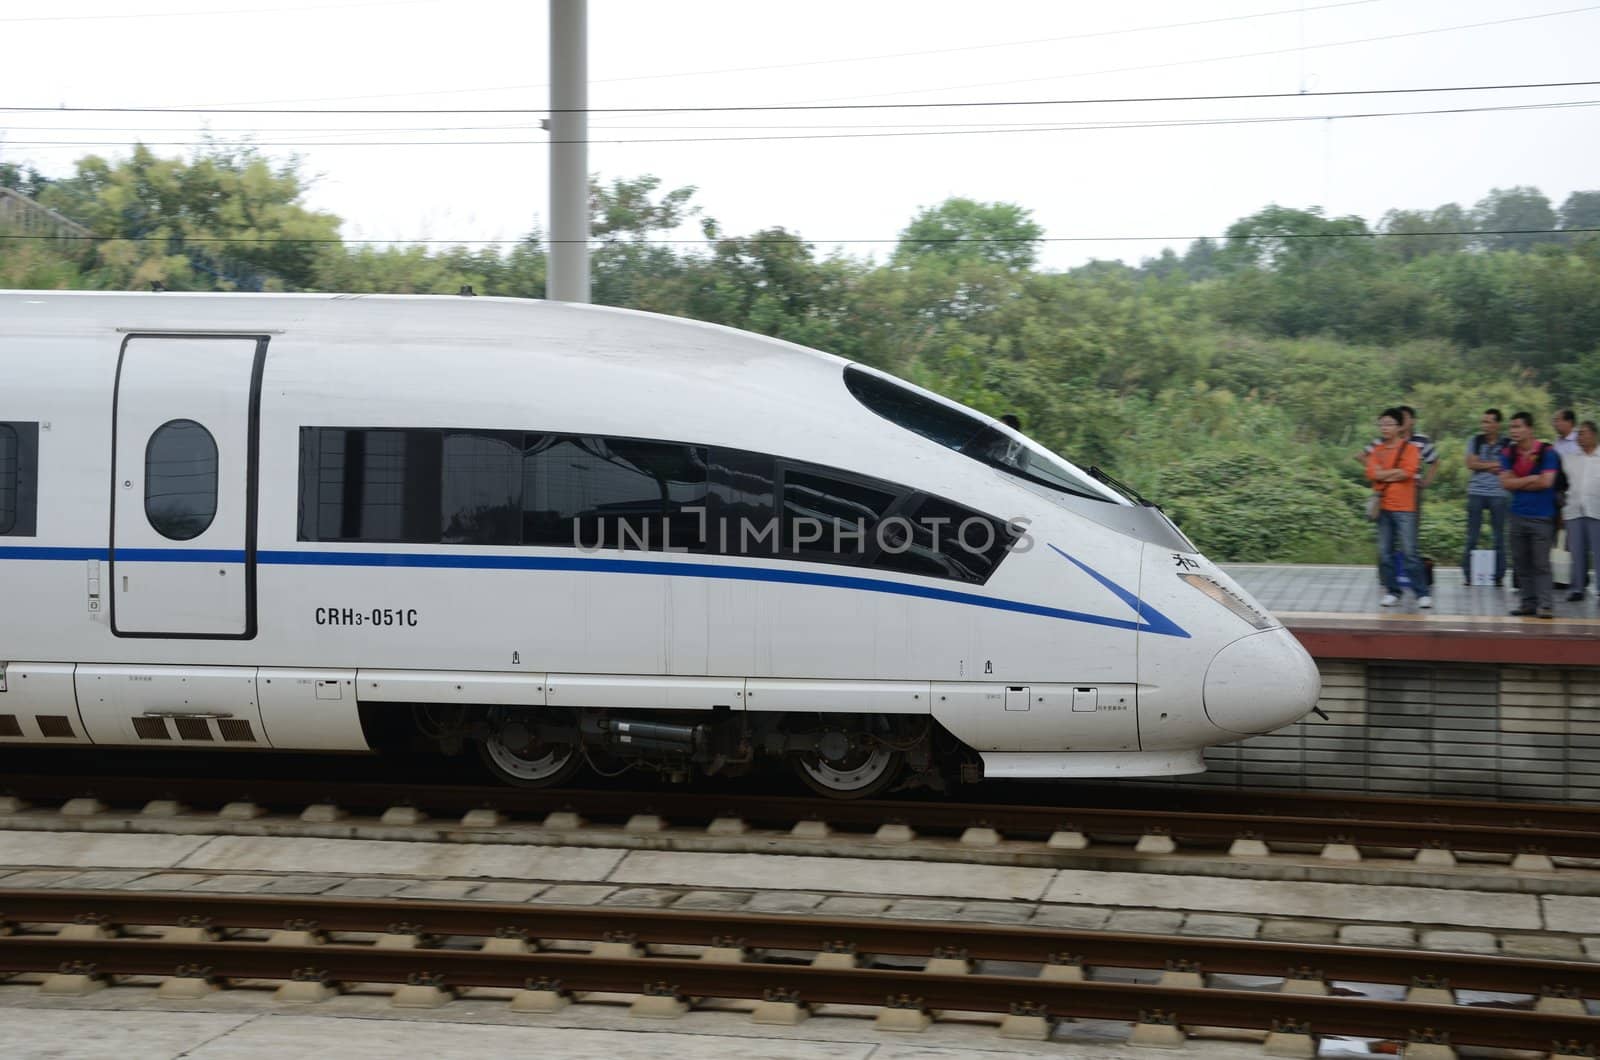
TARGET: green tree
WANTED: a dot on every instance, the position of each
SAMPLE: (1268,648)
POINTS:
(226,219)
(999,233)
(1514,218)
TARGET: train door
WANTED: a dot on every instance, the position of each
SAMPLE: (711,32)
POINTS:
(183,490)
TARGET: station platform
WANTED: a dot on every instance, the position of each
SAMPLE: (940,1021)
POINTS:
(1334,611)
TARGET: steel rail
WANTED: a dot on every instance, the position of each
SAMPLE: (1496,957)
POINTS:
(1015,821)
(442,919)
(456,969)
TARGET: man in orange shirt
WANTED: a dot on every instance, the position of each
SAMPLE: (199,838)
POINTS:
(1392,470)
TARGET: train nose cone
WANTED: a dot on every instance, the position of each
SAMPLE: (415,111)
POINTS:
(1260,683)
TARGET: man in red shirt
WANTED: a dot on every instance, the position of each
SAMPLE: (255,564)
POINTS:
(1392,470)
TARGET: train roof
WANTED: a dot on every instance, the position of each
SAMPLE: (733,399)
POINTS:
(551,327)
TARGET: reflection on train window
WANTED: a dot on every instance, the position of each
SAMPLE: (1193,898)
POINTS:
(10,468)
(180,480)
(481,489)
(831,518)
(378,485)
(944,540)
(503,488)
(950,427)
(588,492)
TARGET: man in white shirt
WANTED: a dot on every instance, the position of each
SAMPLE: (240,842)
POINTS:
(1566,425)
(1582,510)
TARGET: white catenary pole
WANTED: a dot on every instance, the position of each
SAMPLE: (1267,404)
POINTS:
(569,154)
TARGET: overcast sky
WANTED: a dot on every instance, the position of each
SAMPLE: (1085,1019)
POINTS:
(1157,180)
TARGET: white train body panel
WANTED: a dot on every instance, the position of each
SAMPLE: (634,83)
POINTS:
(1085,644)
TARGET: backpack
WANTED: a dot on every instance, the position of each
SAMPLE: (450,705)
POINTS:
(1561,483)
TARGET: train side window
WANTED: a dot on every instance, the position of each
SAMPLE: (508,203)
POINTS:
(830,517)
(379,484)
(180,480)
(743,520)
(588,492)
(10,476)
(19,473)
(481,489)
(944,540)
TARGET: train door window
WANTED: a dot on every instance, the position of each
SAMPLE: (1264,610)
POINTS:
(180,480)
(591,492)
(830,517)
(481,489)
(944,540)
(376,485)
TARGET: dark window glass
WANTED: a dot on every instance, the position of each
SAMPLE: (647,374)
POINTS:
(968,435)
(943,540)
(481,491)
(10,473)
(744,521)
(915,412)
(180,480)
(19,467)
(832,518)
(612,493)
(377,485)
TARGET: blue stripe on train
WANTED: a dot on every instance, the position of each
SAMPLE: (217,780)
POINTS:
(1149,621)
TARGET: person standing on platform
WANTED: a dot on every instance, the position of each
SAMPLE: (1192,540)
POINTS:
(1484,493)
(1528,470)
(1566,425)
(1392,469)
(1582,511)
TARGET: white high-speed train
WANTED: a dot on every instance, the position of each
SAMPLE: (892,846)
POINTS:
(575,535)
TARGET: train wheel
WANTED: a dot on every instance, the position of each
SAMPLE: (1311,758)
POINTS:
(514,752)
(847,767)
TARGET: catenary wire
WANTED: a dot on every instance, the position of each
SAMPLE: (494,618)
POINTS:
(749,108)
(875,134)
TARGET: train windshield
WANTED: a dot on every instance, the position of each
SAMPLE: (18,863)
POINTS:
(957,428)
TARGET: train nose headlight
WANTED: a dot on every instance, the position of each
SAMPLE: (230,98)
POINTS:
(1260,683)
(1231,600)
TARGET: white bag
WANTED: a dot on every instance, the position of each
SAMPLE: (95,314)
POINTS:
(1482,567)
(1560,568)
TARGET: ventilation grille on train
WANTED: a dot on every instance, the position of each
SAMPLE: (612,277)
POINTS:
(55,727)
(235,731)
(193,729)
(151,728)
(9,726)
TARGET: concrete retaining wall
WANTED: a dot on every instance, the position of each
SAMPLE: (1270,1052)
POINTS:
(1433,729)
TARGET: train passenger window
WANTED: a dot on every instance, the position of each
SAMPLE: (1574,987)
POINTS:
(589,492)
(376,485)
(180,480)
(10,473)
(19,472)
(743,519)
(481,487)
(831,518)
(944,540)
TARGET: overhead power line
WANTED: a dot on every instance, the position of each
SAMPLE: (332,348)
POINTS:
(214,12)
(845,60)
(726,109)
(873,134)
(794,238)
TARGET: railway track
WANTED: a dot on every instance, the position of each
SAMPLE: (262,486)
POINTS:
(1246,822)
(430,951)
